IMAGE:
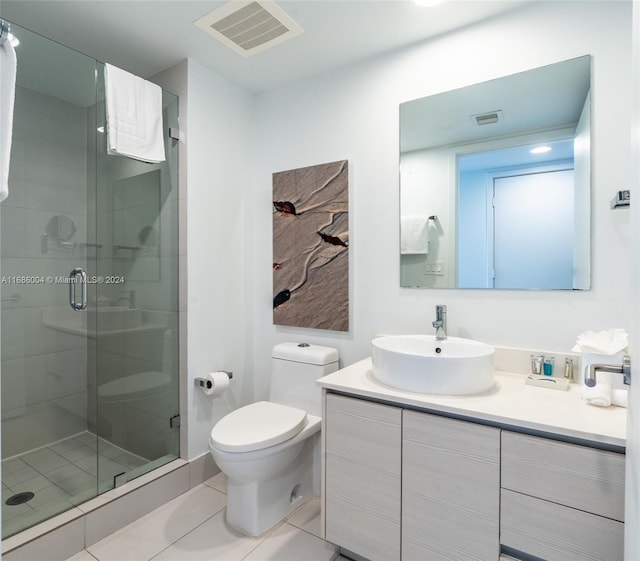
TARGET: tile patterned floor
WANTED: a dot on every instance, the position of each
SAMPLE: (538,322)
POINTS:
(192,527)
(60,475)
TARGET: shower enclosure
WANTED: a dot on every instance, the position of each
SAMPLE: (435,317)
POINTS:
(89,284)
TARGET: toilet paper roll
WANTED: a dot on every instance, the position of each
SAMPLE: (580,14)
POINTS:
(218,382)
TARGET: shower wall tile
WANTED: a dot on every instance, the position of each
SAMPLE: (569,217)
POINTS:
(75,405)
(14,344)
(55,187)
(14,388)
(41,424)
(65,373)
(34,331)
(13,232)
(16,174)
(56,340)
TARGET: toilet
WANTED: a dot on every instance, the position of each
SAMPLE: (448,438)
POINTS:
(270,450)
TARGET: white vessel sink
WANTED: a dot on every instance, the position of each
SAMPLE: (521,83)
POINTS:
(113,318)
(421,363)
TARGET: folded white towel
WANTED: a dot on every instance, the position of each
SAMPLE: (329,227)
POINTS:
(8,66)
(134,116)
(619,397)
(414,235)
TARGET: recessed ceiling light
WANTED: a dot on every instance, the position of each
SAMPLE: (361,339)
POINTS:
(540,149)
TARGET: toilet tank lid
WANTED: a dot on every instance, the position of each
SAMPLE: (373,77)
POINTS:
(305,353)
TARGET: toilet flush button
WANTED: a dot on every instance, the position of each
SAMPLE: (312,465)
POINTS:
(303,345)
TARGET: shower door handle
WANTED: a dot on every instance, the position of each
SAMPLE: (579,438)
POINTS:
(73,278)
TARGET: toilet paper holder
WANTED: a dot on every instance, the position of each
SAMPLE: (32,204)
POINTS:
(204,383)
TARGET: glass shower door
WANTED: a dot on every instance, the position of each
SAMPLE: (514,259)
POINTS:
(49,458)
(89,288)
(136,397)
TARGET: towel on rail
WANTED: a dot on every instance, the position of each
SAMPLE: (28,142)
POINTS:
(8,64)
(414,234)
(134,116)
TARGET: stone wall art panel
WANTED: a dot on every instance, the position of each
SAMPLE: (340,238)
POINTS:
(311,247)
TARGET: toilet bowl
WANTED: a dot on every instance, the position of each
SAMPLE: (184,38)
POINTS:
(269,450)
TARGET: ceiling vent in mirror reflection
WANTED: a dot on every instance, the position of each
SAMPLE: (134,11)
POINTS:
(249,27)
(490,118)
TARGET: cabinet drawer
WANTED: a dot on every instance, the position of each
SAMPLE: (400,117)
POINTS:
(572,475)
(558,533)
(362,477)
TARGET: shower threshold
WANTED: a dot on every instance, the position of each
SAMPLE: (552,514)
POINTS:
(47,481)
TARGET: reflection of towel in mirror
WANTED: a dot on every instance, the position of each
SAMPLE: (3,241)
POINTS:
(414,234)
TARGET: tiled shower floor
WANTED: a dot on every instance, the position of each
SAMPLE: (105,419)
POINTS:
(60,475)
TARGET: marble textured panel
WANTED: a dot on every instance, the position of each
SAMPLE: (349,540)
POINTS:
(311,247)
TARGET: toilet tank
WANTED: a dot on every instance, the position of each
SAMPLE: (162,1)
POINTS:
(294,371)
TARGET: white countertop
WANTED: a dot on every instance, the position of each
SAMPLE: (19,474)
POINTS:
(512,403)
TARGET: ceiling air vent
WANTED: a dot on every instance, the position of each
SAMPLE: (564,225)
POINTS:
(487,118)
(249,27)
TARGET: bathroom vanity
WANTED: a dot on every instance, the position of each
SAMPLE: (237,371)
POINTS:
(513,473)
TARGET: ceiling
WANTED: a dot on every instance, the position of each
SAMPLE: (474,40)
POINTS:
(147,36)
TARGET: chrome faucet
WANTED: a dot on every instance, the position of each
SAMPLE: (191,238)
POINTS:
(441,322)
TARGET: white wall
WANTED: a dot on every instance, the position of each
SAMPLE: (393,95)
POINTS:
(423,173)
(219,169)
(354,114)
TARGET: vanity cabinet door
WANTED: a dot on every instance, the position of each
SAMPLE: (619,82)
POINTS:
(362,477)
(450,489)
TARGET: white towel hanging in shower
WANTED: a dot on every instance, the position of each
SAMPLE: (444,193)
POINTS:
(8,64)
(134,116)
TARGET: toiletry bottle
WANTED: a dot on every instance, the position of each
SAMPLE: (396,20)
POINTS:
(536,364)
(547,366)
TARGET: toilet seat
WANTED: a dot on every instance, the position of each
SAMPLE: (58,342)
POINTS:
(256,426)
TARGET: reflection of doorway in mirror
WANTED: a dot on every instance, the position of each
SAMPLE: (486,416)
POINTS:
(533,230)
(516,218)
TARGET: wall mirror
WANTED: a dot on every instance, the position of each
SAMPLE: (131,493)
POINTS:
(495,183)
